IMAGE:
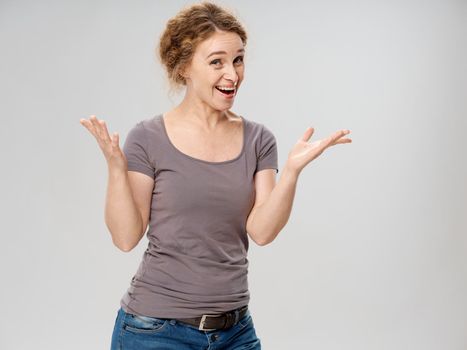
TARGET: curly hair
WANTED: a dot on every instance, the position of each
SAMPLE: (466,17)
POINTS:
(186,30)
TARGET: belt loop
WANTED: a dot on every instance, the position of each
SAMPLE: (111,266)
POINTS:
(236,316)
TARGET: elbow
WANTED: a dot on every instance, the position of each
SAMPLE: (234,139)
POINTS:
(265,239)
(261,243)
(125,243)
(124,247)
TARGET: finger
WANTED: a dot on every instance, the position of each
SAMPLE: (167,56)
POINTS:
(332,139)
(115,139)
(339,134)
(84,123)
(94,128)
(88,125)
(308,133)
(341,141)
(97,126)
(105,132)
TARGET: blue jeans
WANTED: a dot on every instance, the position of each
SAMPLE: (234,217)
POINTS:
(133,332)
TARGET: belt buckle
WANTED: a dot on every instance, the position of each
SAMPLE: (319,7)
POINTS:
(203,321)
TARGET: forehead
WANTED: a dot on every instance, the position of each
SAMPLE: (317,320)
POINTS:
(220,41)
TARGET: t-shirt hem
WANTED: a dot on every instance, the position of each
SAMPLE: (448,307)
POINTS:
(267,167)
(129,306)
(141,169)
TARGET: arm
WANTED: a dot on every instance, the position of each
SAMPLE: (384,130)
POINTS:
(273,205)
(127,207)
(129,193)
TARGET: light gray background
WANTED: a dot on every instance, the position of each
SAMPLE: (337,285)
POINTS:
(375,252)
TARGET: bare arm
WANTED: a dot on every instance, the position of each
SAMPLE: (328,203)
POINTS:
(129,193)
(273,204)
(127,207)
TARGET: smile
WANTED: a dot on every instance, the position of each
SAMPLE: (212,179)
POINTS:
(228,91)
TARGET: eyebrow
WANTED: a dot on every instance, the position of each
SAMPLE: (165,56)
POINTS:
(223,52)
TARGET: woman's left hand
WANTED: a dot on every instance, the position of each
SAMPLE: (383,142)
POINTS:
(304,152)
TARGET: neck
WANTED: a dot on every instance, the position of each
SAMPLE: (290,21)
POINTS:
(195,110)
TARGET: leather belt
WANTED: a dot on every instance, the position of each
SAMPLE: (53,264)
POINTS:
(212,322)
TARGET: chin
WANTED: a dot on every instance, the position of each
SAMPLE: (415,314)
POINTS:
(222,107)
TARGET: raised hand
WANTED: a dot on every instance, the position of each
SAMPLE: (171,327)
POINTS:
(303,152)
(109,146)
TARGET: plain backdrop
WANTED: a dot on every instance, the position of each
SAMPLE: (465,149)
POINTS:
(374,255)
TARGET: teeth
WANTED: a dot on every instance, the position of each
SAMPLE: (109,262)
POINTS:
(225,88)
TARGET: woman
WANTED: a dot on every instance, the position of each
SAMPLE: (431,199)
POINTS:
(204,179)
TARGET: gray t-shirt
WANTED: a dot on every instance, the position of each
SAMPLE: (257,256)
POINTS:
(196,261)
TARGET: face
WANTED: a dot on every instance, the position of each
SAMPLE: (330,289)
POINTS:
(217,63)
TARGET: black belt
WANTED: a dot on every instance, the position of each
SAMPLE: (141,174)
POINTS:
(218,321)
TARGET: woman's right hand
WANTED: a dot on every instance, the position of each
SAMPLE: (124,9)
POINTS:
(113,154)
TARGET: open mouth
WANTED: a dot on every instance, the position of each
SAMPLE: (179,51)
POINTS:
(226,91)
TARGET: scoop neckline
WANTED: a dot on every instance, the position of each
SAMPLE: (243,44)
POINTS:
(161,118)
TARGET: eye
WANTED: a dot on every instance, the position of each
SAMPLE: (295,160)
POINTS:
(217,61)
(239,59)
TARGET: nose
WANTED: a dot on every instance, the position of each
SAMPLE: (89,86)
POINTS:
(231,74)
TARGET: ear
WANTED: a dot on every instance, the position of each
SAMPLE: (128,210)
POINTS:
(182,72)
(185,77)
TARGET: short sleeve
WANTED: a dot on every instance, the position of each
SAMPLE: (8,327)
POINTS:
(136,151)
(267,157)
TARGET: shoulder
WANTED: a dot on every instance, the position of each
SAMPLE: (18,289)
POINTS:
(149,125)
(259,130)
(143,134)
